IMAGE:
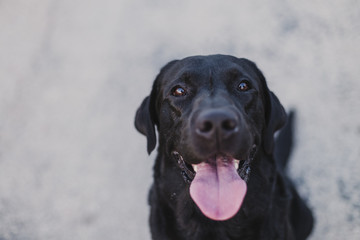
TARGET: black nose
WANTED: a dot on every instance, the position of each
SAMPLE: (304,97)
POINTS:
(216,124)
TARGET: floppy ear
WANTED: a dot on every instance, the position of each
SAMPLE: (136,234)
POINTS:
(146,116)
(275,119)
(145,124)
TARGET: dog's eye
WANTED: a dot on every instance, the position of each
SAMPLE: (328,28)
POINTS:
(178,91)
(244,86)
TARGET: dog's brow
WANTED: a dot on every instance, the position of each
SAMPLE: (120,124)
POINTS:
(185,75)
(234,72)
(188,76)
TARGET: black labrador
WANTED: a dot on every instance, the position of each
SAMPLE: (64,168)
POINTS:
(219,173)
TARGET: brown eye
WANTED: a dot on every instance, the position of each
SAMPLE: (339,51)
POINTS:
(178,91)
(244,86)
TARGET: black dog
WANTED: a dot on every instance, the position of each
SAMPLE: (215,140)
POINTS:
(218,173)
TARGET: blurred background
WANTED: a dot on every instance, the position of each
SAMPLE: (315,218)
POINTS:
(73,72)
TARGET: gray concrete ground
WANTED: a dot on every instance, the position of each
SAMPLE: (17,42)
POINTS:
(73,72)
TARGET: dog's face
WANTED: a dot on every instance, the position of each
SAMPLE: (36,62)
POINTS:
(209,107)
(212,114)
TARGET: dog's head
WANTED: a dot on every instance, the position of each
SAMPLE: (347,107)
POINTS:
(212,114)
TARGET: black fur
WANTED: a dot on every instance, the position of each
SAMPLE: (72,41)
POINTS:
(189,95)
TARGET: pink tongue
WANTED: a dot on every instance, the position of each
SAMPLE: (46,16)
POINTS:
(218,190)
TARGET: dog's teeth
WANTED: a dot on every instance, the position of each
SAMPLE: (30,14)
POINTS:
(195,167)
(236,164)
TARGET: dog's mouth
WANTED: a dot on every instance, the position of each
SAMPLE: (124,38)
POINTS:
(218,184)
(188,171)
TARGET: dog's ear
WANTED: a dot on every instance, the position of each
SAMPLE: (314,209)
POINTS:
(146,115)
(275,116)
(145,123)
(275,119)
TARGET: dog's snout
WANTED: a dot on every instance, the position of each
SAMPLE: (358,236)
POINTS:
(216,123)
